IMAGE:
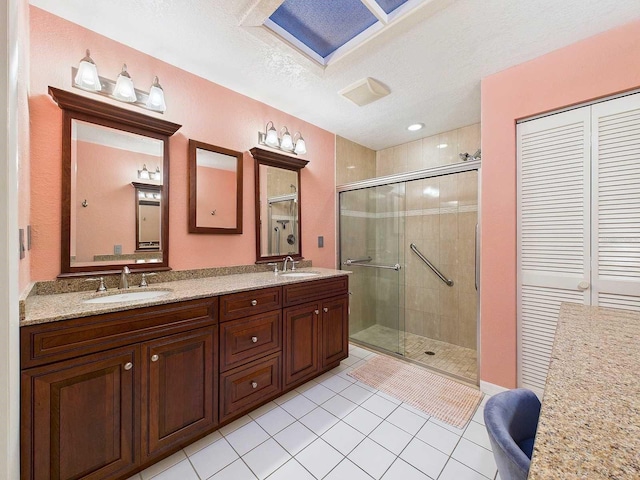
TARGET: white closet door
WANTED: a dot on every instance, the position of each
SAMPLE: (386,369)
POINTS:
(616,203)
(553,232)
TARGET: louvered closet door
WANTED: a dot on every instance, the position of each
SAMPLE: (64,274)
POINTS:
(553,232)
(616,203)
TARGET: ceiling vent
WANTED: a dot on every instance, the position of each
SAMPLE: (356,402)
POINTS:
(365,91)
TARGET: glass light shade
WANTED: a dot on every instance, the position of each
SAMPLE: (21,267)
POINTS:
(156,97)
(271,137)
(286,143)
(87,75)
(144,173)
(300,145)
(124,90)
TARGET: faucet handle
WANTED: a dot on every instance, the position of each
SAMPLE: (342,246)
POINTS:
(126,270)
(293,264)
(143,280)
(275,267)
(101,287)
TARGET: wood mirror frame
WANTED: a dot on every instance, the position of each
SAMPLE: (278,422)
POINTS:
(273,159)
(77,107)
(194,225)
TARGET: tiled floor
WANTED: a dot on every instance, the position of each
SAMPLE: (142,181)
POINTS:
(449,358)
(336,429)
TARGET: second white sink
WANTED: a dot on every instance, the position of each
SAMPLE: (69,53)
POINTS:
(299,274)
(128,296)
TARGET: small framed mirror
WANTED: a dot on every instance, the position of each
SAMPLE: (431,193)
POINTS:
(215,189)
(148,207)
(278,201)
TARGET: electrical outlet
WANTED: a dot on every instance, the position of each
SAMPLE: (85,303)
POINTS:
(117,249)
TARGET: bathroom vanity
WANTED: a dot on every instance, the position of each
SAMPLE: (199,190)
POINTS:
(110,388)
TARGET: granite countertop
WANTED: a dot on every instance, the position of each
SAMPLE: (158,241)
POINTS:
(50,308)
(589,425)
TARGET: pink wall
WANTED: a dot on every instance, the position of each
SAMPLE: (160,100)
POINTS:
(208,112)
(599,66)
(216,191)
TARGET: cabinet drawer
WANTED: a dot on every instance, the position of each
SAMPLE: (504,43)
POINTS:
(243,304)
(244,387)
(49,342)
(309,291)
(244,340)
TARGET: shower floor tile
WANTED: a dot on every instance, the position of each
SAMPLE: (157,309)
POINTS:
(449,358)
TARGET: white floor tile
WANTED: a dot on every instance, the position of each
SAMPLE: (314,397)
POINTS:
(417,411)
(406,420)
(336,383)
(339,406)
(350,360)
(238,470)
(356,394)
(363,420)
(388,397)
(319,458)
(266,408)
(203,442)
(343,437)
(319,421)
(451,428)
(275,420)
(291,470)
(347,470)
(475,457)
(366,387)
(359,352)
(286,397)
(236,424)
(319,394)
(306,386)
(295,437)
(479,415)
(438,437)
(344,374)
(380,406)
(401,470)
(163,465)
(372,458)
(180,471)
(454,470)
(213,458)
(390,437)
(477,434)
(247,438)
(424,457)
(266,458)
(299,406)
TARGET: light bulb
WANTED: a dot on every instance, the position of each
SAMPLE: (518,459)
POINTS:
(286,143)
(124,89)
(87,75)
(301,146)
(144,173)
(272,136)
(156,97)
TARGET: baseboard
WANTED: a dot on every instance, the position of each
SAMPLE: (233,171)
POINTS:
(491,388)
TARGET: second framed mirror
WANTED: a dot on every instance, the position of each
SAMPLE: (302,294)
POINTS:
(215,189)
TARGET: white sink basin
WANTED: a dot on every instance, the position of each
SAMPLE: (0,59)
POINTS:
(128,296)
(299,274)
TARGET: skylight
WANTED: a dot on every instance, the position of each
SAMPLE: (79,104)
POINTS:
(327,30)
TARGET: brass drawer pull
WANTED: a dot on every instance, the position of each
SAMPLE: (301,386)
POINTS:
(254,384)
(254,339)
(128,366)
(254,302)
(154,358)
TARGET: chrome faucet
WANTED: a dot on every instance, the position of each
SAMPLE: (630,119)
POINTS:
(124,277)
(284,265)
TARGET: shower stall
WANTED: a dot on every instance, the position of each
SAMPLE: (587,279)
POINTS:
(411,243)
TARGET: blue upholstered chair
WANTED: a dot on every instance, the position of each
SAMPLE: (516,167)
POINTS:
(511,419)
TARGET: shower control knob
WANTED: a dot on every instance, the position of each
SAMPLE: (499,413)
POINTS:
(254,384)
(583,285)
(254,302)
(254,339)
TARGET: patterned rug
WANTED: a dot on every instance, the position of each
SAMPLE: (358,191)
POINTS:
(440,397)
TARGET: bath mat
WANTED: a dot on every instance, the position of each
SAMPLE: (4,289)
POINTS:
(440,397)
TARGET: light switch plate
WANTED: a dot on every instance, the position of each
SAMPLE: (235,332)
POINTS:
(320,242)
(21,242)
(117,249)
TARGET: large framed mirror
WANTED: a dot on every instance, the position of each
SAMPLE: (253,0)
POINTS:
(111,159)
(215,189)
(278,201)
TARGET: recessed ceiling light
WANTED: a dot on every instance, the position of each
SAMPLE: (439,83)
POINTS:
(442,145)
(415,127)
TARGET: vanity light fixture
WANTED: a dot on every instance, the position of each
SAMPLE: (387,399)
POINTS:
(285,141)
(86,78)
(145,174)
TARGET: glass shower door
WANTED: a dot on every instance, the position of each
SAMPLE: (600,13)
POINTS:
(372,247)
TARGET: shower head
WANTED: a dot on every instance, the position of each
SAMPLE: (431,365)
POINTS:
(465,157)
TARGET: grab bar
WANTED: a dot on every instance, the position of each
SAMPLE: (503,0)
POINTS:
(430,265)
(351,263)
(359,260)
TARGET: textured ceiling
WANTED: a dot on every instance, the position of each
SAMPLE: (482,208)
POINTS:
(432,61)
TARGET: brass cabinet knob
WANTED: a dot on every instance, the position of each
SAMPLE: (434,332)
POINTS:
(254,302)
(254,384)
(154,358)
(254,339)
(317,312)
(128,366)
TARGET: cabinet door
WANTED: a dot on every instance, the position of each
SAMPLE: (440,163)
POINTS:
(78,417)
(301,352)
(178,377)
(335,330)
